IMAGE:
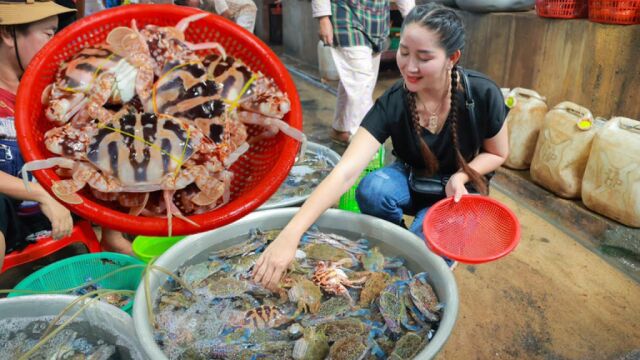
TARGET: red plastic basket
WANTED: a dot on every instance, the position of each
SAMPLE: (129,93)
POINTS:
(475,230)
(624,12)
(257,175)
(564,9)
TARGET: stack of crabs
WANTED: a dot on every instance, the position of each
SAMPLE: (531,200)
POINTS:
(341,299)
(152,127)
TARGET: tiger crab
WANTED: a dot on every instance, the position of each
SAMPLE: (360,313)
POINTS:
(257,318)
(116,71)
(94,77)
(258,99)
(135,153)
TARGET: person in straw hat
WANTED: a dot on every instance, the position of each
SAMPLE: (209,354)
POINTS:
(25,27)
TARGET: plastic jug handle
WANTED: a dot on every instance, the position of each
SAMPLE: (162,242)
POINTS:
(574,109)
(527,94)
(633,126)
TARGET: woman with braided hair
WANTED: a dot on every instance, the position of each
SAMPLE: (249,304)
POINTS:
(432,133)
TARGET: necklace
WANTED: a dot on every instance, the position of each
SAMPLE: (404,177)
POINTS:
(432,120)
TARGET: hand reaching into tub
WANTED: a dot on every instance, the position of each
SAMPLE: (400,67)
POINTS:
(275,260)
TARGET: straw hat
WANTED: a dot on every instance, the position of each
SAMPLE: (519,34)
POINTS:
(14,12)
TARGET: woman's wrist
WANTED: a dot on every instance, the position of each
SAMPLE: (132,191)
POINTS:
(461,175)
(290,236)
(39,193)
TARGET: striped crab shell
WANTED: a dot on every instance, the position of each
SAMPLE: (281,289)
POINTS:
(135,153)
(264,316)
(141,150)
(76,79)
(261,94)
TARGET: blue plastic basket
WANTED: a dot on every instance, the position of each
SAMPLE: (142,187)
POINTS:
(78,270)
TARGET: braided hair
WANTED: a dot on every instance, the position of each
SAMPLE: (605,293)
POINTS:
(448,26)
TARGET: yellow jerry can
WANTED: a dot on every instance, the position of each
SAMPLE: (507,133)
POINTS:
(524,121)
(562,149)
(611,183)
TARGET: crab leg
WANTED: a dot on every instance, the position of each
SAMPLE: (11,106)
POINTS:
(211,190)
(83,174)
(235,155)
(135,202)
(44,164)
(226,178)
(128,43)
(60,110)
(46,94)
(99,96)
(263,120)
(144,77)
(172,210)
(76,107)
(183,24)
(206,46)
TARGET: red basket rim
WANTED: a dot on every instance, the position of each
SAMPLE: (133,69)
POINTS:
(102,215)
(437,248)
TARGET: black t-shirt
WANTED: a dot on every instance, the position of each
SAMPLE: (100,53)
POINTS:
(390,117)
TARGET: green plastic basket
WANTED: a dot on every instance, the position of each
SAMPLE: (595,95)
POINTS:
(148,247)
(78,270)
(348,200)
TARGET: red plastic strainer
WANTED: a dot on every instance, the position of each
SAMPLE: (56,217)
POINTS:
(475,230)
(258,174)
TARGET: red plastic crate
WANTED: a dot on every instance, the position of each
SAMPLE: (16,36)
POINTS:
(624,12)
(81,233)
(564,9)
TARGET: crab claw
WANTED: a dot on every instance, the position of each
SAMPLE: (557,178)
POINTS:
(66,190)
(210,191)
(124,41)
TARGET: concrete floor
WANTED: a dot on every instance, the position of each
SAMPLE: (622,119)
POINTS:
(552,298)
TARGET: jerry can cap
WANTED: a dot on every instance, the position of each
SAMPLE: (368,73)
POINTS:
(585,124)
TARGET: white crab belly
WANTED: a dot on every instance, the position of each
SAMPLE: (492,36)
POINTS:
(125,84)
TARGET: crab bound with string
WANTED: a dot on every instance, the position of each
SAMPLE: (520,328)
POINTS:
(152,125)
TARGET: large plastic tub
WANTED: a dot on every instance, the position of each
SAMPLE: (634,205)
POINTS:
(312,148)
(390,238)
(106,317)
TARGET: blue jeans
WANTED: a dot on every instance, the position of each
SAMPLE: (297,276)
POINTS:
(385,193)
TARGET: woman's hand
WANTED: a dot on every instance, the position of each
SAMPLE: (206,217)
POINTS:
(455,186)
(275,260)
(326,30)
(58,215)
